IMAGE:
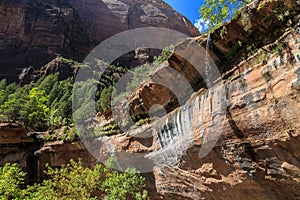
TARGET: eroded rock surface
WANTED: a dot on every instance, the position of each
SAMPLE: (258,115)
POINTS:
(33,31)
(238,139)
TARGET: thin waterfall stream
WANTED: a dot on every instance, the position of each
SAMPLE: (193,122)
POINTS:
(175,131)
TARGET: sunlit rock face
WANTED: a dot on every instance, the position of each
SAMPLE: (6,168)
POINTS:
(238,139)
(32,32)
(254,116)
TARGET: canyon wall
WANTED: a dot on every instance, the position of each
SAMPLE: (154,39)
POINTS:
(239,139)
(236,138)
(32,32)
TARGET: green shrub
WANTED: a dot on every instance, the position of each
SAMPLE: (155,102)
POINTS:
(11,179)
(165,55)
(216,12)
(122,186)
(142,121)
(39,106)
(104,101)
(69,134)
(73,181)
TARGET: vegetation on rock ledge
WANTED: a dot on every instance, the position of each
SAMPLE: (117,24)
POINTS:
(40,106)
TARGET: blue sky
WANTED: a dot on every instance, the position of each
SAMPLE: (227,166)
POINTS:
(190,9)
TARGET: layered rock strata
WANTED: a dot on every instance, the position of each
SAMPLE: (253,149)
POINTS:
(33,31)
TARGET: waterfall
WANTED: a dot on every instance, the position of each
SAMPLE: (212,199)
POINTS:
(207,64)
(175,132)
(199,105)
(202,114)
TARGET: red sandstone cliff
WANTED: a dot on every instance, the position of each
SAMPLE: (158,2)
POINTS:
(255,140)
(33,31)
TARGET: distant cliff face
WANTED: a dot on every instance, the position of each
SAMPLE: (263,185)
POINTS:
(33,31)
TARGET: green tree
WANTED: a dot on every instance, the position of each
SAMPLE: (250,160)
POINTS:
(60,102)
(14,103)
(35,112)
(83,102)
(73,181)
(3,84)
(165,54)
(216,12)
(104,101)
(11,178)
(124,186)
(46,83)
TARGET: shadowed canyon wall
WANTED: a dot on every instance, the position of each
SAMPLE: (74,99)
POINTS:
(33,31)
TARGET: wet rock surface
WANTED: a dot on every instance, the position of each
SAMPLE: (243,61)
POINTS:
(236,140)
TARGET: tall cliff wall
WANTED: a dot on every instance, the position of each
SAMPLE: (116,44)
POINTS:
(239,139)
(254,143)
(33,31)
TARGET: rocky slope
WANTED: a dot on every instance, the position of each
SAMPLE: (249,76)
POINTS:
(33,31)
